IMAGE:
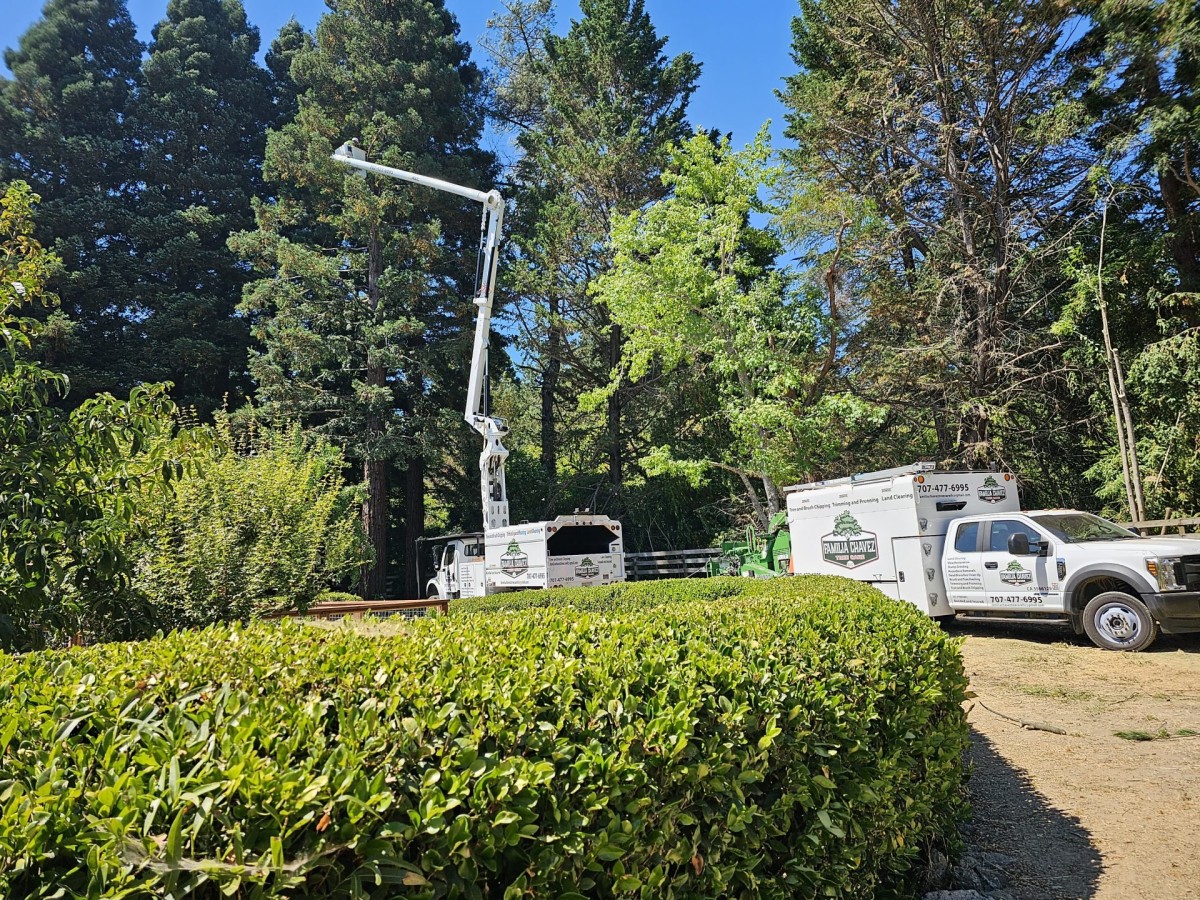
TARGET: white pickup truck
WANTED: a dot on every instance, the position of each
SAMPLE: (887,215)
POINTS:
(958,543)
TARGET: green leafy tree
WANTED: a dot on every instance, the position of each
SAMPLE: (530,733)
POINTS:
(292,38)
(64,130)
(596,112)
(67,479)
(257,525)
(1141,63)
(696,292)
(956,127)
(363,302)
(201,115)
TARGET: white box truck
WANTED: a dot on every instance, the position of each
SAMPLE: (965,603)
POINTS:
(958,543)
(579,550)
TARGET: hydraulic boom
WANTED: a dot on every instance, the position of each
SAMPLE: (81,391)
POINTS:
(493,429)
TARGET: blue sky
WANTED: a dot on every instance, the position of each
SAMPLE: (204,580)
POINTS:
(743,46)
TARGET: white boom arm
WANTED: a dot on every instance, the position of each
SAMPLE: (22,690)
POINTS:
(491,460)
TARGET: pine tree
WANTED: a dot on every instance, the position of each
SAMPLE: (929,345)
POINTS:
(292,38)
(949,136)
(598,110)
(364,305)
(1141,62)
(63,130)
(201,116)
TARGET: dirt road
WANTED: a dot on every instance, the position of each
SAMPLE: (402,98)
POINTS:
(1088,813)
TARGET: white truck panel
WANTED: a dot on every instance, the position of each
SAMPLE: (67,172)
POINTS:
(890,532)
(919,573)
(520,557)
(818,548)
(470,578)
(586,571)
(516,557)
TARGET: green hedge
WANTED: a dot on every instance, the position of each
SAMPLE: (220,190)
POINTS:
(639,594)
(803,741)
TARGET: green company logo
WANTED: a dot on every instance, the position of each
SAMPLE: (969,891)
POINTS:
(514,562)
(848,545)
(587,568)
(1016,573)
(992,491)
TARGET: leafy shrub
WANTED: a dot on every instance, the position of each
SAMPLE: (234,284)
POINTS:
(803,741)
(336,597)
(260,524)
(67,477)
(611,596)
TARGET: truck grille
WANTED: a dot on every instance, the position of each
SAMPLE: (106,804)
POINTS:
(1188,572)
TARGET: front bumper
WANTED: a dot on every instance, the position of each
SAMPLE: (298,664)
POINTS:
(1178,612)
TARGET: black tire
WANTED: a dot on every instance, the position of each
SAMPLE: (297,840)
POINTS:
(432,593)
(1115,620)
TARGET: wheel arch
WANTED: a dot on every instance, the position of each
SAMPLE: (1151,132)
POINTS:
(1091,581)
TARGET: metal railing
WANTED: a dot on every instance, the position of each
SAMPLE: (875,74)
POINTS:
(668,564)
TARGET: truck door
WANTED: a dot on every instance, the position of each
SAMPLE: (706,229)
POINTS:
(962,566)
(448,574)
(1018,582)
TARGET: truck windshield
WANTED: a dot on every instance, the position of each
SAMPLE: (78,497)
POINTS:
(1079,527)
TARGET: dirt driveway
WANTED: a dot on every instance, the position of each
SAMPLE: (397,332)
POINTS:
(1088,813)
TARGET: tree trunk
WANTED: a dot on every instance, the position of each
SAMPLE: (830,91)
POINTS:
(375,525)
(549,388)
(1182,234)
(1135,469)
(375,470)
(616,454)
(1126,437)
(760,511)
(774,499)
(414,524)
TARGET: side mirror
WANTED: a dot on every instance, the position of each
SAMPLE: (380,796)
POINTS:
(1018,544)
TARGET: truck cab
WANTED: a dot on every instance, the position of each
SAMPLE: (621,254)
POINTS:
(1106,581)
(456,562)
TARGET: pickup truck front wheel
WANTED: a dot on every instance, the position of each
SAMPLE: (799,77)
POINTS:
(1115,620)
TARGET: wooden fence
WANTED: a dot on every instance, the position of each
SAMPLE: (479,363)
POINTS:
(1165,526)
(668,564)
(370,609)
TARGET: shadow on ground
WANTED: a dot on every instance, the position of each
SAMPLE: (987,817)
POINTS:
(1055,857)
(1060,634)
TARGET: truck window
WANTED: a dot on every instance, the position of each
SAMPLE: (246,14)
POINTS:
(577,540)
(472,549)
(1002,528)
(966,540)
(1082,527)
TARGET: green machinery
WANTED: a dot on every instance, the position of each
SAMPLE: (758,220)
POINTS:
(759,555)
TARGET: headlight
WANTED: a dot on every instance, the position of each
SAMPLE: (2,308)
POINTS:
(1166,570)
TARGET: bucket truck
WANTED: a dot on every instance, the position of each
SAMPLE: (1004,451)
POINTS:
(576,550)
